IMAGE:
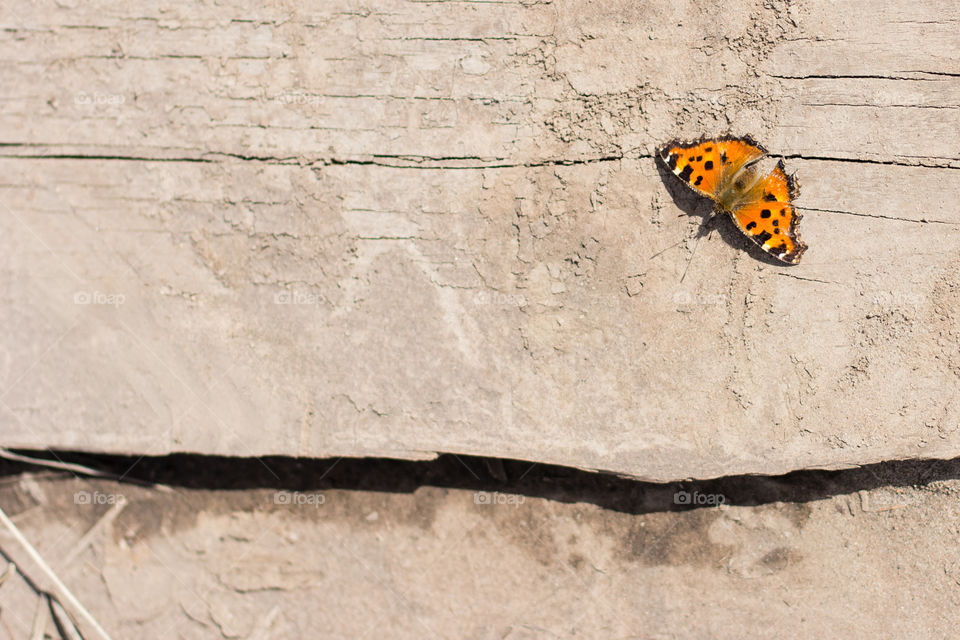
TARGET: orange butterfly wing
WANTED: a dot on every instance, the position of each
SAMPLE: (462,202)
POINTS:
(766,215)
(708,165)
(697,164)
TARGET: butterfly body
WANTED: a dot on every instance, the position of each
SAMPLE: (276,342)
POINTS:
(760,203)
(734,194)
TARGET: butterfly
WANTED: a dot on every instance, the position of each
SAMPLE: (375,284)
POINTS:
(725,169)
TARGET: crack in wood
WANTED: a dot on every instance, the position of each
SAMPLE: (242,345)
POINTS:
(881,217)
(408,161)
(840,76)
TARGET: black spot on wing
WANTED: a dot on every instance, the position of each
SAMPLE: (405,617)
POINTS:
(708,149)
(751,225)
(762,237)
(699,159)
(697,182)
(708,165)
(686,173)
(723,157)
(776,223)
(672,161)
(765,213)
(769,197)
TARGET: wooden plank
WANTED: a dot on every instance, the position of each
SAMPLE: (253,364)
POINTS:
(439,227)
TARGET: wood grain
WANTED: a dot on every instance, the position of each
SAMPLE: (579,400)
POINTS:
(405,228)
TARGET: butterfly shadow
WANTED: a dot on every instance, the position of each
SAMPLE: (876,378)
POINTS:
(693,204)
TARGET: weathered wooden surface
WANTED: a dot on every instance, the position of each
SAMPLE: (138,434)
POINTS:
(401,228)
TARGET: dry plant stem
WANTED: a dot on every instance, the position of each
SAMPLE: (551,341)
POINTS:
(53,464)
(60,590)
(75,469)
(41,618)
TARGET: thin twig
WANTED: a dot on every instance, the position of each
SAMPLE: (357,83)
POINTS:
(54,464)
(66,627)
(660,253)
(79,469)
(9,571)
(41,618)
(61,591)
(87,538)
(6,625)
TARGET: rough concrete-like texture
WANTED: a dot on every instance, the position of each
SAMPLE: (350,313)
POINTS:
(402,228)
